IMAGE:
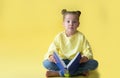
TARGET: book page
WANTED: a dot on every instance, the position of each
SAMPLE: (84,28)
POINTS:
(72,60)
(59,60)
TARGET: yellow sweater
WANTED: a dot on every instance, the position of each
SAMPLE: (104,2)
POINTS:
(67,47)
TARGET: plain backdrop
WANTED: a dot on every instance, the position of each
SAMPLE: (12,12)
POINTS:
(27,27)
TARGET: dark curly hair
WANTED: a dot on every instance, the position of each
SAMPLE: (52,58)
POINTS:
(64,12)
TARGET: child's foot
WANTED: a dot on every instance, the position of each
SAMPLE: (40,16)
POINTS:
(85,73)
(52,74)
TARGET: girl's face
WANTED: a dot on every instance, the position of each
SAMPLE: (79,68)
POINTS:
(71,22)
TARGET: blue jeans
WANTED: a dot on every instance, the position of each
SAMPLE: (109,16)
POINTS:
(89,65)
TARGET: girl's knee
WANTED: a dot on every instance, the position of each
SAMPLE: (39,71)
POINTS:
(50,65)
(93,64)
(46,64)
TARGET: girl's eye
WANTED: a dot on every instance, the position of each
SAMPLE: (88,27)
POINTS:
(68,21)
(74,21)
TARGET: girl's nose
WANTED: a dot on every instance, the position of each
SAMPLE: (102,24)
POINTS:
(71,23)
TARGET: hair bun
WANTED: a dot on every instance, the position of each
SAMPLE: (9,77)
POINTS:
(78,12)
(63,11)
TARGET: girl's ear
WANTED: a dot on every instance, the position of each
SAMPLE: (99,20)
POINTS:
(78,24)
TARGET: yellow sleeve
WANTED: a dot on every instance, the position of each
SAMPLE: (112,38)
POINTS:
(86,50)
(52,48)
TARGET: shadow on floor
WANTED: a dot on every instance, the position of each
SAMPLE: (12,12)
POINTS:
(92,74)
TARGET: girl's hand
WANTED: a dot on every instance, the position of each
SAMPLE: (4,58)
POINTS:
(52,59)
(83,59)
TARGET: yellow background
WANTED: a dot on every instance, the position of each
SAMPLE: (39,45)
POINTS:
(27,28)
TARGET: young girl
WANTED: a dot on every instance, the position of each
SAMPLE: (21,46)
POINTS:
(67,44)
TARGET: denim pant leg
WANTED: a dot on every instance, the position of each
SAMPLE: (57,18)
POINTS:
(50,65)
(53,67)
(90,65)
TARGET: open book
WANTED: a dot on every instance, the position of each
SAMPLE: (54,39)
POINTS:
(71,67)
